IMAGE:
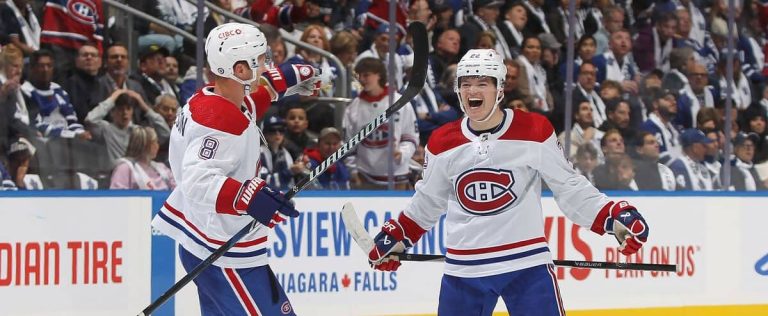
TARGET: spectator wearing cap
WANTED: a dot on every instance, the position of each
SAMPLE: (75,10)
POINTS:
(654,43)
(512,25)
(617,63)
(151,73)
(277,165)
(695,96)
(485,14)
(690,172)
(83,85)
(754,121)
(662,109)
(57,117)
(650,174)
(744,176)
(115,133)
(336,177)
(550,59)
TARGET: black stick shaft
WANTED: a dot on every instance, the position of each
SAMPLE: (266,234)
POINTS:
(566,263)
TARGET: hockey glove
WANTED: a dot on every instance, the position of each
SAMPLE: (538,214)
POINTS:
(290,79)
(625,223)
(396,236)
(264,203)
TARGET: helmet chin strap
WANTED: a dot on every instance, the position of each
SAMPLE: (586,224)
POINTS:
(246,83)
(499,96)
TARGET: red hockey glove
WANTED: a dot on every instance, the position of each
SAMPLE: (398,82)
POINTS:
(264,203)
(396,236)
(290,79)
(625,223)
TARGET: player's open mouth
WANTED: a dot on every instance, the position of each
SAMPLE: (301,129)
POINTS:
(473,103)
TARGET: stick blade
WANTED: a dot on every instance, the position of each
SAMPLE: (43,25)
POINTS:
(356,228)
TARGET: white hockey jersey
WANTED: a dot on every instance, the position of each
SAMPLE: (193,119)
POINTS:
(371,157)
(490,187)
(214,147)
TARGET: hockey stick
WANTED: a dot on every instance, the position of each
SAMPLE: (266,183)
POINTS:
(364,240)
(416,83)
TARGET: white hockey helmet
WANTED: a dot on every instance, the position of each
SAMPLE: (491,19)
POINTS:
(230,43)
(484,63)
(481,62)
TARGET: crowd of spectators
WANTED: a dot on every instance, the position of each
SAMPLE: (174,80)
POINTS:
(648,101)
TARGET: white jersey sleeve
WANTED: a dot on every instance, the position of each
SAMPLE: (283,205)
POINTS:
(579,200)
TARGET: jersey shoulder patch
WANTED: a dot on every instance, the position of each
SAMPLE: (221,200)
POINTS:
(446,137)
(528,126)
(215,112)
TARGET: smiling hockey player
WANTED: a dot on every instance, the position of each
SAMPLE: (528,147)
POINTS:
(485,171)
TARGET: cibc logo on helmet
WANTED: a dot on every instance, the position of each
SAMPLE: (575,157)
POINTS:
(229,33)
(485,191)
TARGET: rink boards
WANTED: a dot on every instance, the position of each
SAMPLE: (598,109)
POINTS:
(94,253)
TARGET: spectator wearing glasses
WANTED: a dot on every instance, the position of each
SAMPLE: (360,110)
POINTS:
(690,172)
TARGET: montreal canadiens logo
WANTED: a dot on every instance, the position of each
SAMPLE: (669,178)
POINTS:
(379,138)
(84,11)
(485,191)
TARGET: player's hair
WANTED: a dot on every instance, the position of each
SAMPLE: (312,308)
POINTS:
(373,65)
(141,137)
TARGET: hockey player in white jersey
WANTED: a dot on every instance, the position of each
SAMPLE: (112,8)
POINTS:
(485,171)
(214,157)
